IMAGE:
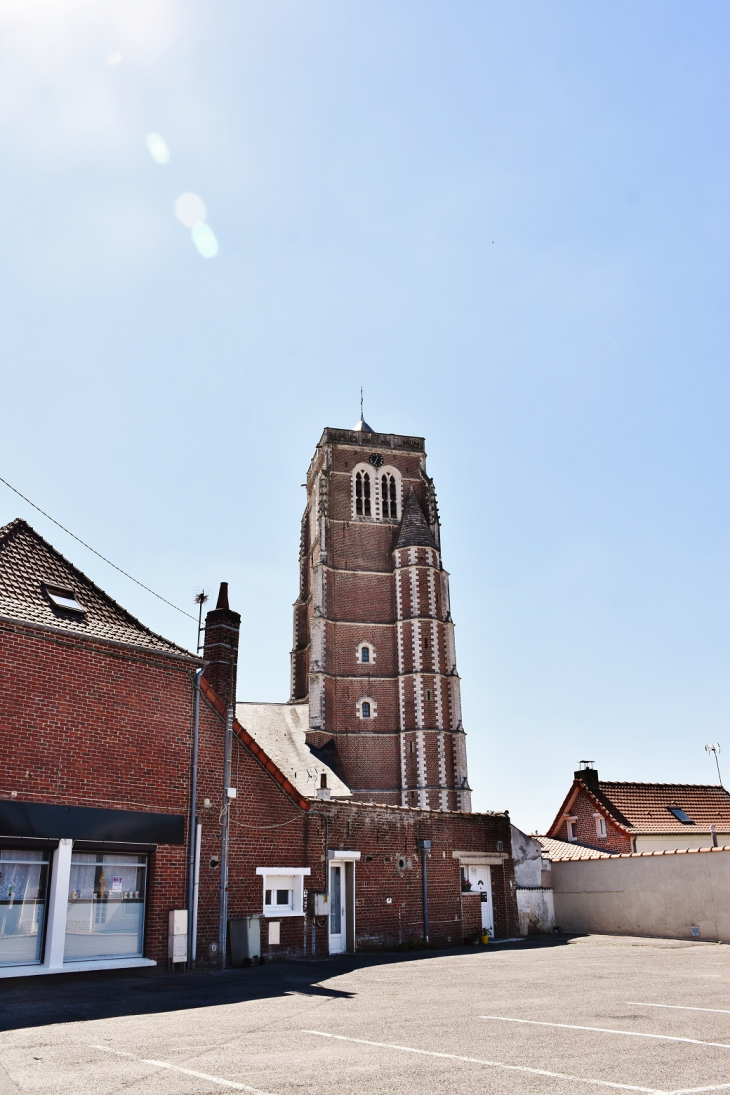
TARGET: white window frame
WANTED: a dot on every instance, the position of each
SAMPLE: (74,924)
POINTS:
(570,824)
(374,493)
(601,831)
(388,469)
(358,652)
(268,877)
(373,708)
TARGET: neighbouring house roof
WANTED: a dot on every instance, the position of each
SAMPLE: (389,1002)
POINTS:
(280,729)
(563,849)
(414,530)
(31,570)
(639,808)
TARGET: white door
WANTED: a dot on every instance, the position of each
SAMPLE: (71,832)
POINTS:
(338,926)
(481,883)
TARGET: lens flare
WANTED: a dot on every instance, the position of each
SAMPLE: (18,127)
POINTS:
(190,210)
(205,241)
(157,147)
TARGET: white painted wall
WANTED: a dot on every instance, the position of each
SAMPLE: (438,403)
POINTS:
(654,895)
(679,840)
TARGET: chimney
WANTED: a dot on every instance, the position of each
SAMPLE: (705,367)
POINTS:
(222,627)
(587,774)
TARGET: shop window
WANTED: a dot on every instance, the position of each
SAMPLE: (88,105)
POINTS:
(23,892)
(106,902)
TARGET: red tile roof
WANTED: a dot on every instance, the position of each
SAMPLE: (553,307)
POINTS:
(644,807)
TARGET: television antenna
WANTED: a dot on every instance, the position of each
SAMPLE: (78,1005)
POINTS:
(200,599)
(713,750)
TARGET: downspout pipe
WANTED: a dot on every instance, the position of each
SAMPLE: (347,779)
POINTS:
(192,834)
(425,847)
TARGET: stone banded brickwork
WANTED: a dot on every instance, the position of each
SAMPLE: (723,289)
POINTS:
(372,577)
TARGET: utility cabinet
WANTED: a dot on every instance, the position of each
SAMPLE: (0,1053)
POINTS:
(177,939)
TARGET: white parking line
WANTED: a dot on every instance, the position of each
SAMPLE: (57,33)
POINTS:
(677,1007)
(499,1064)
(187,1071)
(608,1030)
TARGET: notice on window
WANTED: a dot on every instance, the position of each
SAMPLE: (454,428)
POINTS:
(117,883)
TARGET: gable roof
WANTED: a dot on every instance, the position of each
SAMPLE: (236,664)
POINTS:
(414,531)
(28,563)
(644,807)
(280,729)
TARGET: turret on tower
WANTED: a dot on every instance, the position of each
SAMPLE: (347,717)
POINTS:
(374,656)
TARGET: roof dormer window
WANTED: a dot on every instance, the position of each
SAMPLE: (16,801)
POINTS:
(63,597)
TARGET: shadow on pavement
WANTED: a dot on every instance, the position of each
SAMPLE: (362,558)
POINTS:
(81,997)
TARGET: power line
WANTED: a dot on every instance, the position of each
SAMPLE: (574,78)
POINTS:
(94,551)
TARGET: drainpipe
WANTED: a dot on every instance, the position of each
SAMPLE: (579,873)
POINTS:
(319,813)
(192,829)
(196,891)
(223,906)
(425,848)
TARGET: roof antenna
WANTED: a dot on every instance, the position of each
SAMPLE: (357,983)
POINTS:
(713,750)
(200,599)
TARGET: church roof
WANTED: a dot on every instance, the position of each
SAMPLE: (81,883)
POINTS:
(362,427)
(414,530)
(39,586)
(280,729)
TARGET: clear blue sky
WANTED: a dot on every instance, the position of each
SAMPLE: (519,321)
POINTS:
(509,222)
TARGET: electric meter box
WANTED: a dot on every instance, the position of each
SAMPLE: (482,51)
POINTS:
(321,904)
(177,939)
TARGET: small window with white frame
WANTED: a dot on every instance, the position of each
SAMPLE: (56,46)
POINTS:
(570,825)
(365,653)
(367,708)
(283,890)
(600,826)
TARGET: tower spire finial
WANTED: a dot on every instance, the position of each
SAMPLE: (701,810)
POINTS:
(362,413)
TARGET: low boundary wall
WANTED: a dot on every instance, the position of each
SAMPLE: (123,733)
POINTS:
(681,894)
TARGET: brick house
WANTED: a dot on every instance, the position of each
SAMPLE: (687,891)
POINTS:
(618,816)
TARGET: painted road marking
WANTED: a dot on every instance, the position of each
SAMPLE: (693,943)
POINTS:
(500,1064)
(188,1071)
(608,1030)
(677,1007)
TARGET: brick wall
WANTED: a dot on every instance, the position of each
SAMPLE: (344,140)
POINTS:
(92,724)
(584,808)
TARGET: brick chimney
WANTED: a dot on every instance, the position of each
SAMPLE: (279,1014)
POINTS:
(222,627)
(589,776)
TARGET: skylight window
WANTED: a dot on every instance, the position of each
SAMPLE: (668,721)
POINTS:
(680,815)
(64,597)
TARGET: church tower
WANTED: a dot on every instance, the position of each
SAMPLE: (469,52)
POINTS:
(374,654)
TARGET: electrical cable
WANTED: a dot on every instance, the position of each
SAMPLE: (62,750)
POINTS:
(94,551)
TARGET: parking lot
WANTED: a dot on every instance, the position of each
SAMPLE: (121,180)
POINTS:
(567,1015)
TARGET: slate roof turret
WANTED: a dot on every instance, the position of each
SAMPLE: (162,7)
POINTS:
(414,530)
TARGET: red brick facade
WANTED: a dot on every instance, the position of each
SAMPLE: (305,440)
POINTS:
(583,807)
(371,573)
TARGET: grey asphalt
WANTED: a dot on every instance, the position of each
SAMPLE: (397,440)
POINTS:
(442,1022)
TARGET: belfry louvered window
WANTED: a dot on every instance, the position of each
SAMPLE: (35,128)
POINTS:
(388,496)
(362,494)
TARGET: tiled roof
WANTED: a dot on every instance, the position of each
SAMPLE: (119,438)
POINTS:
(563,849)
(27,561)
(414,531)
(644,806)
(280,729)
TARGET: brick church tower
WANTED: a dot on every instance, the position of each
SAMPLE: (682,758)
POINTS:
(374,653)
